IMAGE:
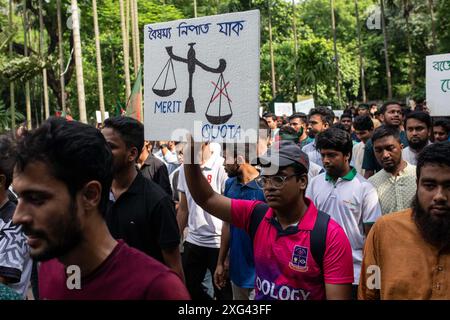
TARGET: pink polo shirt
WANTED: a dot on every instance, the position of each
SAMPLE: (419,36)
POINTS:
(285,267)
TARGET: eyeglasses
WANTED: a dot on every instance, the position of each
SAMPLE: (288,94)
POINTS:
(276,181)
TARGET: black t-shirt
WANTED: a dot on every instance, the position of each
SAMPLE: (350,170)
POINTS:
(144,216)
(155,170)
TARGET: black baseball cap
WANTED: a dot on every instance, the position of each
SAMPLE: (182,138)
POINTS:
(284,153)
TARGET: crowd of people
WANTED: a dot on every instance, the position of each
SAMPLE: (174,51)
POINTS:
(321,207)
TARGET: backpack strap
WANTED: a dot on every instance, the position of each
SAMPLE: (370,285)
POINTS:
(319,237)
(258,213)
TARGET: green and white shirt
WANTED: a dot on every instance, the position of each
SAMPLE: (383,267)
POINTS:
(351,201)
(395,192)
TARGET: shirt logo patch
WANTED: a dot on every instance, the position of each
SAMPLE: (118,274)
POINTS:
(299,259)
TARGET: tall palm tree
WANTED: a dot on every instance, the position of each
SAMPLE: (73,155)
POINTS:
(294,27)
(272,61)
(433,24)
(61,56)
(336,56)
(126,55)
(98,54)
(25,51)
(78,61)
(361,58)
(42,55)
(11,84)
(133,36)
(386,54)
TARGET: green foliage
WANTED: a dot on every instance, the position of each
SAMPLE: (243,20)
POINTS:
(5,118)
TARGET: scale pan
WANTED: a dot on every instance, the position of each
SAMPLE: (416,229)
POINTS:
(219,119)
(164,92)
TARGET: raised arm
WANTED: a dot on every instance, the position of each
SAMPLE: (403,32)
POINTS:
(204,195)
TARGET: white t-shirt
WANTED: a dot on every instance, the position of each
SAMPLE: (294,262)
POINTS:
(410,155)
(204,229)
(313,153)
(358,157)
(351,203)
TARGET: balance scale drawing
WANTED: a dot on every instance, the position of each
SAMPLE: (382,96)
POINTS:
(164,88)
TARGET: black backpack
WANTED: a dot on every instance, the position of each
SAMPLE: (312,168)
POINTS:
(318,233)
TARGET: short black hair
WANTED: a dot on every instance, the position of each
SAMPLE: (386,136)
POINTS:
(326,114)
(384,106)
(7,158)
(264,126)
(386,131)
(347,115)
(363,123)
(271,115)
(131,131)
(75,154)
(420,116)
(298,115)
(335,139)
(436,153)
(442,122)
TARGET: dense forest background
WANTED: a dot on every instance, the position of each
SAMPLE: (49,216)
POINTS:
(304,61)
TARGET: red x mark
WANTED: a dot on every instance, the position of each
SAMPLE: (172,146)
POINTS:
(220,91)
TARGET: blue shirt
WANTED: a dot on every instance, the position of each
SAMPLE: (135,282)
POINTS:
(242,265)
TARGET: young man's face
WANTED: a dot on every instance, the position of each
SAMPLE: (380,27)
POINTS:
(364,135)
(363,112)
(334,162)
(316,125)
(417,133)
(288,193)
(347,122)
(388,152)
(48,214)
(122,156)
(272,124)
(393,115)
(432,204)
(440,134)
(298,125)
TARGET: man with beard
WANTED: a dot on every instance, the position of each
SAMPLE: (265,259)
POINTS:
(299,123)
(407,253)
(319,119)
(63,178)
(240,185)
(392,116)
(396,183)
(300,253)
(343,193)
(418,130)
(139,212)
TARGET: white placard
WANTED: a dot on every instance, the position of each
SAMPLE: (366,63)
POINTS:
(98,115)
(438,84)
(283,108)
(304,106)
(202,76)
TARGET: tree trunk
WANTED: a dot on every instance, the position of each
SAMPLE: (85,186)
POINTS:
(412,80)
(195,8)
(78,61)
(386,54)
(25,49)
(99,61)
(433,24)
(62,95)
(272,62)
(12,105)
(361,58)
(294,26)
(126,56)
(43,56)
(336,56)
(133,38)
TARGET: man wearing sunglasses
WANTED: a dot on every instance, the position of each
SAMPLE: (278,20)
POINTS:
(284,233)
